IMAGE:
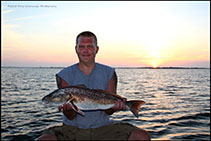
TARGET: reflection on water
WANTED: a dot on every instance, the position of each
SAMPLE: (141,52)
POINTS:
(177,102)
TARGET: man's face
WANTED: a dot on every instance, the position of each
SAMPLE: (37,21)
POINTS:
(86,49)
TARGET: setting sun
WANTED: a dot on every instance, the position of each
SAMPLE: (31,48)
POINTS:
(155,58)
(154,63)
(154,51)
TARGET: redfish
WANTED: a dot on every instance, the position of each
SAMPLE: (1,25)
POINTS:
(82,99)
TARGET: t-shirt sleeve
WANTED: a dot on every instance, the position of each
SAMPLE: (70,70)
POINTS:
(64,74)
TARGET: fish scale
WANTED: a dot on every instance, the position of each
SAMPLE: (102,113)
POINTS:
(91,94)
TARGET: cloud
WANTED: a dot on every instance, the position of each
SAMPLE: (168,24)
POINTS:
(26,18)
(11,38)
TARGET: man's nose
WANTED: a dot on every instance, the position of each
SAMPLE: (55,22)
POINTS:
(85,49)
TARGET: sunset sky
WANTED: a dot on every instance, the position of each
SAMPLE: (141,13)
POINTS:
(130,34)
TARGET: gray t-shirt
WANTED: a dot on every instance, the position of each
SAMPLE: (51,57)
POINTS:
(98,79)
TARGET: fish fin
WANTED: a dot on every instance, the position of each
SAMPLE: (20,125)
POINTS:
(75,108)
(134,106)
(76,86)
(70,100)
(106,92)
(81,86)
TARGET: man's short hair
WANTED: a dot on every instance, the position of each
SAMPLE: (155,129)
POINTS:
(86,34)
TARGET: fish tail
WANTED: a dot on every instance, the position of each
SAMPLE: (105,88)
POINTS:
(134,106)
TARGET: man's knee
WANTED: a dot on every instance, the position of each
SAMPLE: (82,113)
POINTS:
(47,137)
(139,134)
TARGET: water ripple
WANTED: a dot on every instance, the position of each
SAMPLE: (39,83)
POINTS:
(177,102)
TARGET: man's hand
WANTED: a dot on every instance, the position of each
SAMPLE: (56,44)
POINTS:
(65,107)
(119,106)
(68,111)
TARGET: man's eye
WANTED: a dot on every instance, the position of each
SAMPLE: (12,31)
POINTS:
(90,47)
(81,46)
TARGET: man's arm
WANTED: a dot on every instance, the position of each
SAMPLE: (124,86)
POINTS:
(112,84)
(67,109)
(112,87)
(61,83)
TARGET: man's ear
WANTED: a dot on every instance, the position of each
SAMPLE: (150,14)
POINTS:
(97,48)
(76,49)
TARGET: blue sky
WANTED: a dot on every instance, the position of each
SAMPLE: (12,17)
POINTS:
(137,33)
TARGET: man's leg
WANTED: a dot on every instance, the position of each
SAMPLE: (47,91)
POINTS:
(139,134)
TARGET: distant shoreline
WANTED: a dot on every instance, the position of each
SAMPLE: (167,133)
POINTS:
(118,67)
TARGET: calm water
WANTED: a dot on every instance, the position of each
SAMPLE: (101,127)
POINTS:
(177,102)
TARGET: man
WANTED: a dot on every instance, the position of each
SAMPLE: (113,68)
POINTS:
(95,125)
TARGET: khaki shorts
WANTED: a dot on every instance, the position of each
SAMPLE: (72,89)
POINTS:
(114,131)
